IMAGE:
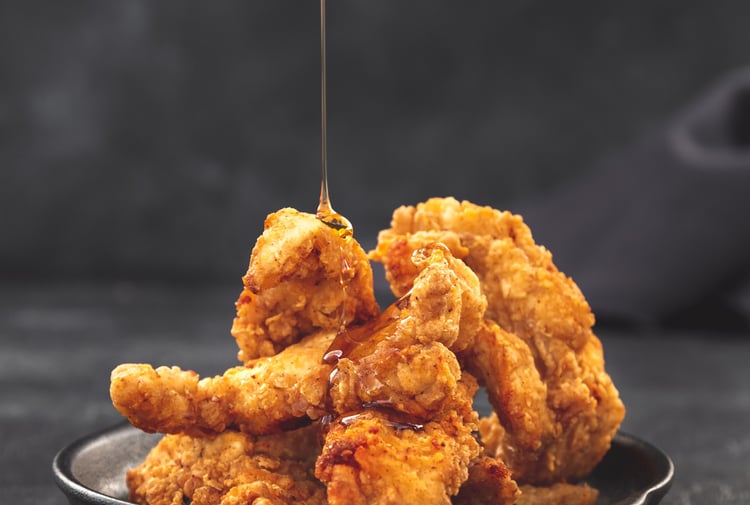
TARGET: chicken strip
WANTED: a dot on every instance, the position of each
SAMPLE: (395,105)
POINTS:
(230,469)
(572,408)
(489,483)
(505,365)
(303,277)
(265,396)
(405,358)
(526,293)
(411,440)
(370,459)
(585,411)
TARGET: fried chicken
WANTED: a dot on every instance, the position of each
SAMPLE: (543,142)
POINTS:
(293,285)
(403,424)
(370,459)
(231,469)
(406,358)
(558,421)
(389,394)
(489,483)
(409,368)
(265,396)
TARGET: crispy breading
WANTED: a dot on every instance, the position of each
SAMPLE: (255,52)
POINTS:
(265,396)
(231,469)
(369,459)
(564,432)
(517,275)
(390,394)
(405,358)
(489,483)
(416,380)
(293,285)
(505,365)
(403,420)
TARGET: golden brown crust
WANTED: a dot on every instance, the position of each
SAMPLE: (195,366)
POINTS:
(265,396)
(369,459)
(489,483)
(395,391)
(403,375)
(230,469)
(293,285)
(559,408)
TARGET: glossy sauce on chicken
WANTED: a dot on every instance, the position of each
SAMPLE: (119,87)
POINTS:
(356,342)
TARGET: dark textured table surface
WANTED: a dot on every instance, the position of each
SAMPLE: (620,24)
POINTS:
(687,393)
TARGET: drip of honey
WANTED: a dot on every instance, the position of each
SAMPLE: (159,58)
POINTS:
(325,211)
(352,342)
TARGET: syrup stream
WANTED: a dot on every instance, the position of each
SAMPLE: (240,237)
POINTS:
(325,210)
(350,342)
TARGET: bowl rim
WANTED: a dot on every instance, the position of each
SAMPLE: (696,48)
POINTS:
(62,469)
(666,467)
(75,490)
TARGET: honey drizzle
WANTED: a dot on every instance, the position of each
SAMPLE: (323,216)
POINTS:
(325,210)
(359,341)
(351,342)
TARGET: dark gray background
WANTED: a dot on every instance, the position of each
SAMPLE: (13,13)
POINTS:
(146,140)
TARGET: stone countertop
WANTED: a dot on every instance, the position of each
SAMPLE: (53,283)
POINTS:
(688,393)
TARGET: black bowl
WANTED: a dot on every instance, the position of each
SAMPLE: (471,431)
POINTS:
(91,471)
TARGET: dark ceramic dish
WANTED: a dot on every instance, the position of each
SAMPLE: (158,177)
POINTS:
(91,471)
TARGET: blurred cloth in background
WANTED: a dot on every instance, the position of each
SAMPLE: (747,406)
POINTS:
(146,141)
(661,230)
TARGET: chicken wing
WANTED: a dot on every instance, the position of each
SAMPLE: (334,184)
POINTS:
(303,277)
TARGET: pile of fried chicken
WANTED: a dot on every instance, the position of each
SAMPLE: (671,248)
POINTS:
(339,402)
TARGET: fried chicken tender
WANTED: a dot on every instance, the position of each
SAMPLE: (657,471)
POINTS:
(397,373)
(293,285)
(405,359)
(558,420)
(489,482)
(368,459)
(231,469)
(505,365)
(265,396)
